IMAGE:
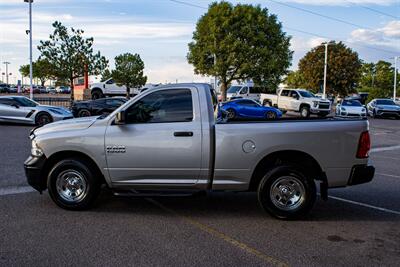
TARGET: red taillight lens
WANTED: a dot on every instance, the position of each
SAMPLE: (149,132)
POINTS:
(364,145)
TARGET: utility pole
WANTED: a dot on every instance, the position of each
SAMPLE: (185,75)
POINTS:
(6,63)
(325,66)
(395,78)
(30,48)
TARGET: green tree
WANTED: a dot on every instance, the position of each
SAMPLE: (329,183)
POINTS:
(343,69)
(70,54)
(41,69)
(294,79)
(129,72)
(240,43)
(105,75)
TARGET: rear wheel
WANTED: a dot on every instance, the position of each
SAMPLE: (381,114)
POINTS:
(43,118)
(305,112)
(270,115)
(231,114)
(286,192)
(84,113)
(73,185)
(96,94)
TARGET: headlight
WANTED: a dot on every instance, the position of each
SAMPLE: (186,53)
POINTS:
(315,103)
(343,109)
(363,110)
(36,151)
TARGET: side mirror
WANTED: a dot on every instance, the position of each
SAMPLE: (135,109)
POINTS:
(15,105)
(120,118)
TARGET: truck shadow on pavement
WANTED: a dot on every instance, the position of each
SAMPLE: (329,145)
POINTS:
(231,206)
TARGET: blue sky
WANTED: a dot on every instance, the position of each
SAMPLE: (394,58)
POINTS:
(159,30)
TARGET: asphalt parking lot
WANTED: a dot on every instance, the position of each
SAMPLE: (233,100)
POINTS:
(358,226)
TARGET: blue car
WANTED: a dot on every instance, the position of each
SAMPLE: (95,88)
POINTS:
(249,109)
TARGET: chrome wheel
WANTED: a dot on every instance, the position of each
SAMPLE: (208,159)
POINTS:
(287,193)
(71,185)
(304,112)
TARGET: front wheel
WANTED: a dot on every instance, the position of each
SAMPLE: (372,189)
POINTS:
(96,94)
(231,114)
(73,185)
(305,112)
(286,192)
(43,118)
(84,113)
(270,115)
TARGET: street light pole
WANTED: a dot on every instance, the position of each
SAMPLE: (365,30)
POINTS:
(30,48)
(395,78)
(6,63)
(325,70)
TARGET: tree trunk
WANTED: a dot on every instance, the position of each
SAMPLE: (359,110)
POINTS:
(71,82)
(42,82)
(223,90)
(128,95)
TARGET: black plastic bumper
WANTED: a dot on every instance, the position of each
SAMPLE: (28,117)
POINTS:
(361,174)
(33,171)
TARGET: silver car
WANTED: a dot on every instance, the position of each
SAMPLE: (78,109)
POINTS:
(20,109)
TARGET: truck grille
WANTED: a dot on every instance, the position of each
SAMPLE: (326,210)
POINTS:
(324,105)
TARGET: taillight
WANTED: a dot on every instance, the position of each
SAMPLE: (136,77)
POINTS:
(364,145)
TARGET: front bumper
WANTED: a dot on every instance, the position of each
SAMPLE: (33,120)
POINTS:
(361,174)
(33,170)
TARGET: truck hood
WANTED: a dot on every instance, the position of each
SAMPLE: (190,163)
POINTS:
(66,125)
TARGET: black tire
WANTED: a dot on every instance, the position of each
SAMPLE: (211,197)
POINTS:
(77,167)
(43,118)
(84,113)
(305,111)
(270,115)
(323,114)
(231,114)
(96,94)
(276,178)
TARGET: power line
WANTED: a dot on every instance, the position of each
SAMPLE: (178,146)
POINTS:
(321,15)
(304,32)
(374,10)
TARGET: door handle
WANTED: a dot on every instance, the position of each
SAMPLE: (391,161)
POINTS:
(183,134)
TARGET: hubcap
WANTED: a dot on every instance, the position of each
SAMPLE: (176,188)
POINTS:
(231,114)
(270,115)
(71,186)
(287,193)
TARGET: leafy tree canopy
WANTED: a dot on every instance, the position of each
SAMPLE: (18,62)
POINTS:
(41,69)
(105,75)
(294,79)
(248,43)
(70,53)
(129,71)
(343,69)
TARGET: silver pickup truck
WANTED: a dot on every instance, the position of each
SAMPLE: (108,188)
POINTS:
(168,140)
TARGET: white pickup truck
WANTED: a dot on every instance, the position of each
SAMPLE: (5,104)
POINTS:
(298,100)
(110,88)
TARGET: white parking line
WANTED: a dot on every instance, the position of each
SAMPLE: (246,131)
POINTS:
(389,175)
(365,205)
(15,190)
(388,148)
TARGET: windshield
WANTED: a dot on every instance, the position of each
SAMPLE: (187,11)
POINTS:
(385,102)
(306,94)
(26,102)
(352,103)
(234,89)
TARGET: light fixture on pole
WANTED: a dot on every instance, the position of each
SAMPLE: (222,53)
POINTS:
(326,66)
(30,48)
(6,63)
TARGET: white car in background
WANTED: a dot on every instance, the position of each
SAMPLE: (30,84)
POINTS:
(351,108)
(248,91)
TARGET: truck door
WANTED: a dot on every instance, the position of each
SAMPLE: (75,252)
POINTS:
(283,100)
(294,101)
(160,142)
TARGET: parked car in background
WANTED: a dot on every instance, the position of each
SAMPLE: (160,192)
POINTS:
(249,109)
(351,108)
(13,89)
(96,107)
(27,89)
(361,97)
(20,109)
(297,100)
(248,91)
(42,89)
(110,88)
(4,88)
(383,107)
(63,89)
(51,90)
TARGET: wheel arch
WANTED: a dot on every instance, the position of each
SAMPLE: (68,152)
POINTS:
(43,112)
(60,155)
(304,105)
(299,158)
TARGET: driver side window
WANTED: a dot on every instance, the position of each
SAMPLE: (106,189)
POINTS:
(110,81)
(244,90)
(162,106)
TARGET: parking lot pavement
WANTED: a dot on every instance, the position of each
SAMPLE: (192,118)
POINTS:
(358,225)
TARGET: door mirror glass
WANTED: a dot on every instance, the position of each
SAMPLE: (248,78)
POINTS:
(120,118)
(15,105)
